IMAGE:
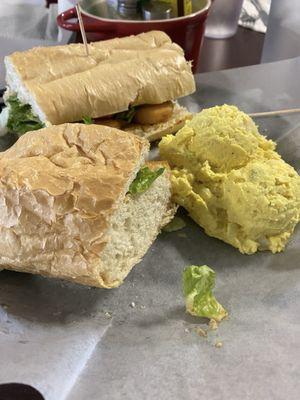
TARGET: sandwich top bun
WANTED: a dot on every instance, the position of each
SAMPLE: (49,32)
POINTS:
(65,211)
(62,84)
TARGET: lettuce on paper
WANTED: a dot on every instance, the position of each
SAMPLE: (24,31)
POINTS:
(198,283)
(176,224)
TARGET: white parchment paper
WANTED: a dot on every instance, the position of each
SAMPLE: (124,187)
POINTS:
(60,338)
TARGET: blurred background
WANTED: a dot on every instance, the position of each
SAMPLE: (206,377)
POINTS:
(217,34)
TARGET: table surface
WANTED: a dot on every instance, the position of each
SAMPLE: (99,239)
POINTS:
(219,54)
(57,337)
(244,48)
(283,35)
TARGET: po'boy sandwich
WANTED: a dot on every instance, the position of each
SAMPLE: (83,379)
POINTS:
(79,203)
(130,83)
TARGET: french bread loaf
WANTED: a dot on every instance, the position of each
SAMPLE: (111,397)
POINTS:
(62,84)
(65,211)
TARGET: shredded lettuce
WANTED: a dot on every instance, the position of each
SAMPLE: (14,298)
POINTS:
(87,120)
(176,224)
(198,283)
(144,179)
(127,115)
(21,118)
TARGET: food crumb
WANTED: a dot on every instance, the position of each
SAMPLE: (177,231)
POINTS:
(201,332)
(56,313)
(213,325)
(182,235)
(107,314)
(187,330)
(132,304)
(219,344)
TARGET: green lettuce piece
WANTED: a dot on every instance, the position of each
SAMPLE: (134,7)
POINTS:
(21,118)
(198,283)
(127,115)
(87,120)
(144,179)
(176,224)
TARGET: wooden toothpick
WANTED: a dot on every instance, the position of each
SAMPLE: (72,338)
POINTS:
(274,113)
(82,29)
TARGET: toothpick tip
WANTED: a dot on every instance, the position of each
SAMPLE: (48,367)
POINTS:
(82,30)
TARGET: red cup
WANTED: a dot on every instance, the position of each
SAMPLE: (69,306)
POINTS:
(187,31)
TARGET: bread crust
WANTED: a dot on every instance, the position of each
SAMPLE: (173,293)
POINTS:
(63,84)
(59,187)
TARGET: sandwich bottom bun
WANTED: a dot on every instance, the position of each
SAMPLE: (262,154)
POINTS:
(157,131)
